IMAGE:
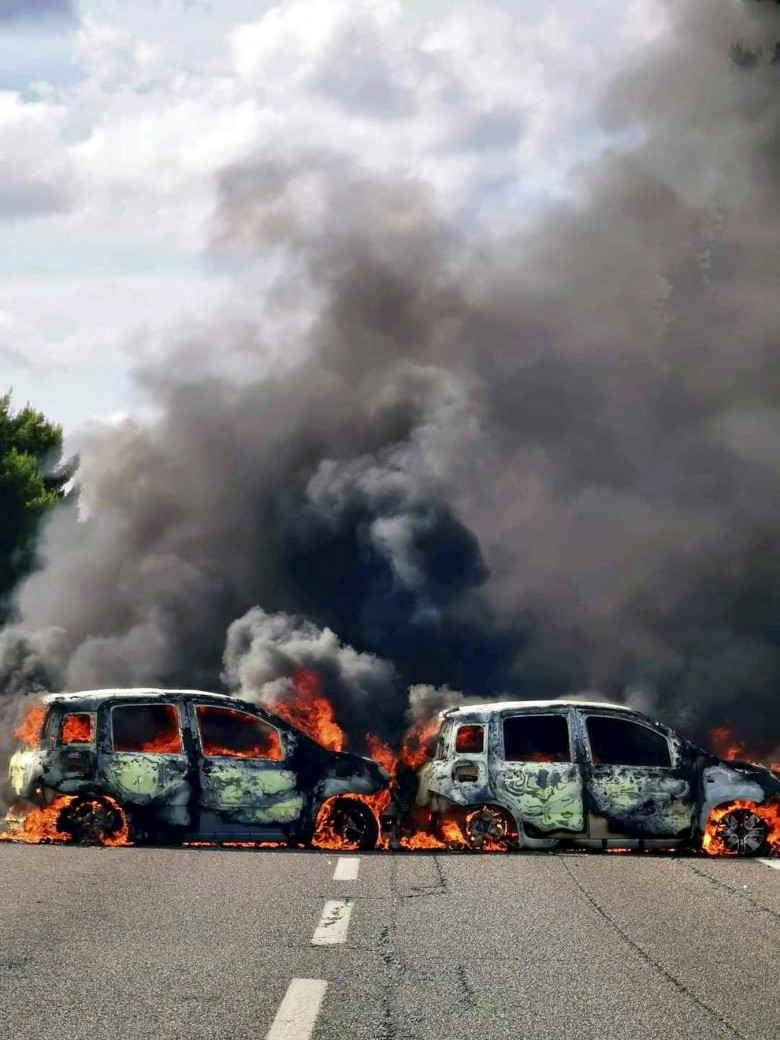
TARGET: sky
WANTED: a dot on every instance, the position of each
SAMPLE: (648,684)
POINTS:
(440,333)
(116,120)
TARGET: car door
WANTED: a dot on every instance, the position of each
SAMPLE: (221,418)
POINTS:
(141,757)
(244,776)
(534,772)
(634,778)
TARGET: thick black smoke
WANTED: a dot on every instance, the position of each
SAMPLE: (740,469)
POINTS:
(522,467)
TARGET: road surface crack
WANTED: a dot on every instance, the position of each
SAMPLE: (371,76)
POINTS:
(741,892)
(392,963)
(468,996)
(649,959)
(439,887)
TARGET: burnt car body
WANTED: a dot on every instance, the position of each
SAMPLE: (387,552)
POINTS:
(586,773)
(187,765)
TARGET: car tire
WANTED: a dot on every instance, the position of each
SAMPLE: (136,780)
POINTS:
(490,824)
(355,824)
(743,833)
(92,821)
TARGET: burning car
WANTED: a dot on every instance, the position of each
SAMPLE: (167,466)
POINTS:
(539,774)
(119,766)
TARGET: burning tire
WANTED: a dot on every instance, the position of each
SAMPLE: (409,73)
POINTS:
(351,825)
(94,821)
(490,829)
(742,832)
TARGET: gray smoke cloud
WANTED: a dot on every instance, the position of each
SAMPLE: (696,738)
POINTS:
(523,466)
(263,653)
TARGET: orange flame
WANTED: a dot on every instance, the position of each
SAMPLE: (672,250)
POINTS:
(381,753)
(452,838)
(29,729)
(728,746)
(418,741)
(44,825)
(325,834)
(725,744)
(77,729)
(309,711)
(162,744)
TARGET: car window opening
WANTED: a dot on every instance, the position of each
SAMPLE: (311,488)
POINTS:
(234,734)
(470,740)
(617,742)
(536,738)
(146,728)
(77,728)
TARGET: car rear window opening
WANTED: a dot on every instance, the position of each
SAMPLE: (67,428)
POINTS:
(536,738)
(77,728)
(146,728)
(470,740)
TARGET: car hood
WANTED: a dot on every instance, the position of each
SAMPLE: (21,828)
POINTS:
(359,765)
(768,780)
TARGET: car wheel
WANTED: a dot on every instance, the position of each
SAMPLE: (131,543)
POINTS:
(490,829)
(742,833)
(93,821)
(354,824)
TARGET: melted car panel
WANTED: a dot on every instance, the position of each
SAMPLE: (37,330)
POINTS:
(202,763)
(585,771)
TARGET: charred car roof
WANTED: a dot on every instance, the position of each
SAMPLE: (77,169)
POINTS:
(90,700)
(481,712)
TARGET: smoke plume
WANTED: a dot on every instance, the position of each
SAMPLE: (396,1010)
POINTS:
(514,466)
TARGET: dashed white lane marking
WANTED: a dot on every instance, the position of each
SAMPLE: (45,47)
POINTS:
(347,868)
(773,863)
(297,1014)
(334,922)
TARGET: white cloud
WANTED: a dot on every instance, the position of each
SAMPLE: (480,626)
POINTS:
(67,343)
(490,101)
(36,172)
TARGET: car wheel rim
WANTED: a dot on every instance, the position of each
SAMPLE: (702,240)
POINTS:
(742,832)
(350,825)
(92,822)
(485,824)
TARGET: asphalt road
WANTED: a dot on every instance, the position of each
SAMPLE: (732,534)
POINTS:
(195,943)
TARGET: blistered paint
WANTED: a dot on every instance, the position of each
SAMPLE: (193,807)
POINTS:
(140,776)
(228,785)
(548,796)
(641,800)
(434,777)
(283,812)
(247,794)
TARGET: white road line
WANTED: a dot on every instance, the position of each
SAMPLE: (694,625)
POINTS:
(297,1014)
(334,922)
(347,868)
(773,863)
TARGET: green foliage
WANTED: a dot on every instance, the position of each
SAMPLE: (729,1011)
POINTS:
(32,481)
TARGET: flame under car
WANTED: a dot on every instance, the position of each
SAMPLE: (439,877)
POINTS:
(119,766)
(594,775)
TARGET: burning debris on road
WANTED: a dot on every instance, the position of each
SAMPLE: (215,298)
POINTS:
(116,767)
